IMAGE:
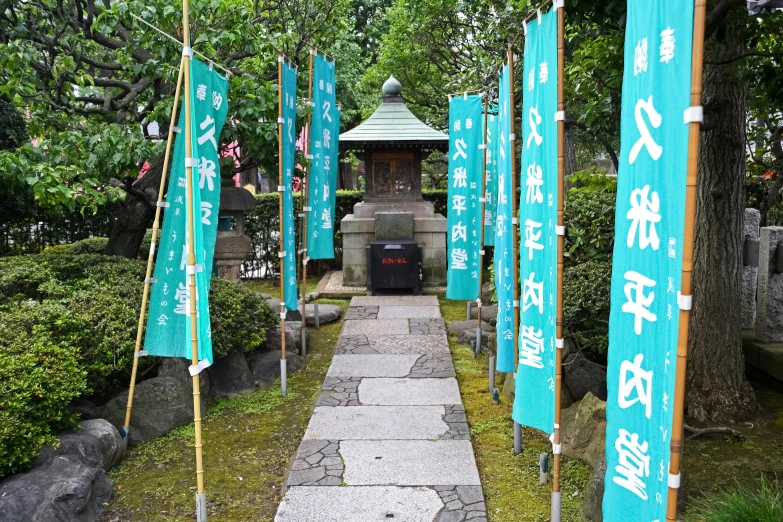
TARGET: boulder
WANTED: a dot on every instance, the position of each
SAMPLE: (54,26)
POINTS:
(178,368)
(97,444)
(584,430)
(488,314)
(583,376)
(594,492)
(486,293)
(326,314)
(86,409)
(265,367)
(160,404)
(63,489)
(230,375)
(466,332)
(290,315)
(293,339)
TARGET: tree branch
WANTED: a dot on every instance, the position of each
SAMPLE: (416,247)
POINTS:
(719,14)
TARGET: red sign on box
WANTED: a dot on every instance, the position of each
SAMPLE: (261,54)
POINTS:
(394,261)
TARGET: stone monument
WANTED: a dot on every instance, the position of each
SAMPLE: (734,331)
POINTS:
(392,143)
(232,245)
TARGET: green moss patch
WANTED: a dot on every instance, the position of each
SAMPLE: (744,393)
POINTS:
(511,484)
(248,442)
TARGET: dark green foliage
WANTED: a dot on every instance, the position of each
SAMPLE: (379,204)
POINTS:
(38,378)
(438,198)
(240,317)
(589,217)
(13,129)
(586,305)
(68,323)
(743,504)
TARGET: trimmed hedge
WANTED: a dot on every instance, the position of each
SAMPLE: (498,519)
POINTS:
(68,321)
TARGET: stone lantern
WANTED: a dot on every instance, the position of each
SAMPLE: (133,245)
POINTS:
(233,246)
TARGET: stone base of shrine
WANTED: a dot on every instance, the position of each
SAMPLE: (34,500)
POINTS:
(359,230)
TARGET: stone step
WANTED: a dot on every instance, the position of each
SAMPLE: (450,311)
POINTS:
(422,300)
(409,463)
(408,392)
(372,365)
(408,312)
(377,422)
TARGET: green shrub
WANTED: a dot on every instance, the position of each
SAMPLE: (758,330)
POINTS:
(586,297)
(239,316)
(743,504)
(589,217)
(100,298)
(68,322)
(38,379)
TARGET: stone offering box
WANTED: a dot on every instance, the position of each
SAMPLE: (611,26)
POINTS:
(392,143)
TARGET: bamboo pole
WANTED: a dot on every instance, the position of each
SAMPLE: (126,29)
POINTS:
(150,259)
(305,208)
(556,494)
(483,200)
(700,10)
(201,503)
(515,232)
(283,363)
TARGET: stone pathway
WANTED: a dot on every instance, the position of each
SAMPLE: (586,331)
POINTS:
(388,440)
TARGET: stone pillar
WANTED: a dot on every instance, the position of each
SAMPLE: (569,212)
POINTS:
(750,273)
(769,300)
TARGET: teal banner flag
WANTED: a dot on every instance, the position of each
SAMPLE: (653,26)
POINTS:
(534,399)
(504,240)
(322,180)
(288,159)
(466,166)
(647,262)
(491,187)
(168,323)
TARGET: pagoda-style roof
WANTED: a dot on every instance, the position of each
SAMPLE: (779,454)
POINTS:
(392,125)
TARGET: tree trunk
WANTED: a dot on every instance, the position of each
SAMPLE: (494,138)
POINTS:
(717,389)
(570,153)
(132,217)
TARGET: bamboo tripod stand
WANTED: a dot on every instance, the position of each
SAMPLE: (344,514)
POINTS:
(151,257)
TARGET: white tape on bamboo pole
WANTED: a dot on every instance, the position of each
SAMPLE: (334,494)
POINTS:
(694,115)
(198,368)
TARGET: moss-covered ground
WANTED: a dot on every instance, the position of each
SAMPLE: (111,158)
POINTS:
(511,482)
(716,463)
(247,444)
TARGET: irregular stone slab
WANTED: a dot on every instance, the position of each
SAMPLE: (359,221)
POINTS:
(409,462)
(377,422)
(317,463)
(409,344)
(327,313)
(408,312)
(396,300)
(433,365)
(359,504)
(378,327)
(408,392)
(428,327)
(372,365)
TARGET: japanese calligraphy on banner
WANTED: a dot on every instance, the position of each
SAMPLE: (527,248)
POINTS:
(168,323)
(466,133)
(289,152)
(534,400)
(323,170)
(649,227)
(504,240)
(491,187)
